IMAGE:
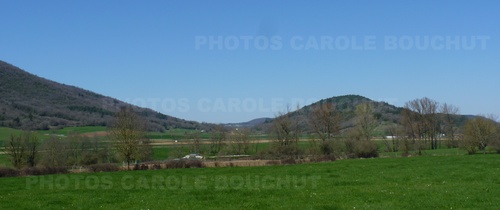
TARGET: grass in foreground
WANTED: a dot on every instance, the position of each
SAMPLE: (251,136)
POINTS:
(386,183)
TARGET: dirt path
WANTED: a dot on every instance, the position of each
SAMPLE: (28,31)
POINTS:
(95,134)
(163,142)
(159,142)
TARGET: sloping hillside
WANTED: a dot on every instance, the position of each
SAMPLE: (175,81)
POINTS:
(31,102)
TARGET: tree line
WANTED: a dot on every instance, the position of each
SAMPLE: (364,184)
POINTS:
(425,124)
(126,142)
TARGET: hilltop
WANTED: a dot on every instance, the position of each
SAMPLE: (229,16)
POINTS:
(28,101)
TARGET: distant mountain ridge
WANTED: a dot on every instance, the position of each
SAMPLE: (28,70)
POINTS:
(31,102)
(250,123)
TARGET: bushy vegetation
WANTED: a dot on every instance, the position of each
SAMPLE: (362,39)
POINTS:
(32,171)
(103,167)
(171,164)
(8,172)
(479,133)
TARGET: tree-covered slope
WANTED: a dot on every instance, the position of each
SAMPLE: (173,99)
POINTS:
(31,102)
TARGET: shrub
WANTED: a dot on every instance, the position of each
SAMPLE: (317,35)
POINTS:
(156,166)
(357,148)
(324,158)
(273,162)
(326,147)
(8,172)
(288,161)
(88,158)
(37,171)
(140,167)
(194,164)
(366,149)
(468,145)
(153,165)
(104,167)
(184,164)
(495,143)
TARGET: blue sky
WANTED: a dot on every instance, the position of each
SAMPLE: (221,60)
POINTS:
(167,55)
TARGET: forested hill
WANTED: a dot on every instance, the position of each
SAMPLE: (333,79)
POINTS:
(384,113)
(31,102)
(346,106)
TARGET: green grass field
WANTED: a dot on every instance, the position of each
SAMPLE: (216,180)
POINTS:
(429,182)
(4,161)
(5,134)
(80,130)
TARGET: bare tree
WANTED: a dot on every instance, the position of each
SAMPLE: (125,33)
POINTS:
(420,119)
(431,121)
(195,139)
(394,135)
(366,123)
(128,134)
(239,141)
(16,150)
(449,115)
(32,144)
(145,150)
(84,150)
(286,134)
(22,149)
(55,152)
(217,137)
(358,142)
(325,122)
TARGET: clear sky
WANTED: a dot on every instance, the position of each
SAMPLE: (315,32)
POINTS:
(233,61)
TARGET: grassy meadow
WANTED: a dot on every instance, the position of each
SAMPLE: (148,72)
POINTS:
(428,182)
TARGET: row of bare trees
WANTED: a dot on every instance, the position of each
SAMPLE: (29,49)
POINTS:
(329,141)
(420,121)
(127,136)
(26,150)
(426,123)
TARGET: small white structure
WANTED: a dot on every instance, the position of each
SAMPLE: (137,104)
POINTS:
(193,156)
